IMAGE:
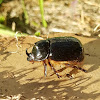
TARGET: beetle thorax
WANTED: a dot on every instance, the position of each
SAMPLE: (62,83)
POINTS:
(41,50)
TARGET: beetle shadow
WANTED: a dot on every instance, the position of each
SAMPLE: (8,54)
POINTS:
(92,54)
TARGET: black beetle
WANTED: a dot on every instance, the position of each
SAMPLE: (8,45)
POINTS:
(58,49)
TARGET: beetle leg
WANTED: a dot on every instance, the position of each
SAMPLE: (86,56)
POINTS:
(60,70)
(69,76)
(53,69)
(79,68)
(74,66)
(45,68)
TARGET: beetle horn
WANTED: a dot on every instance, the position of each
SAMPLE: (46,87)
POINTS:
(27,53)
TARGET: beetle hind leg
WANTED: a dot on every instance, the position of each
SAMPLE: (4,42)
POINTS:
(76,66)
(74,71)
(79,68)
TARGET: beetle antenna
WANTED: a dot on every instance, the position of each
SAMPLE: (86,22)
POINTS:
(27,53)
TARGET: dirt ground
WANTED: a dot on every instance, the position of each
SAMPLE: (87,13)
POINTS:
(22,80)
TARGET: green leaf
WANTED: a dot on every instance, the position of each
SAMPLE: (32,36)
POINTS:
(37,33)
(2,19)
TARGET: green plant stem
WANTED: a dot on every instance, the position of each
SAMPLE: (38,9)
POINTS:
(42,13)
(25,12)
(1,1)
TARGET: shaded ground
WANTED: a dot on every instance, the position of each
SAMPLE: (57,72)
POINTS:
(20,78)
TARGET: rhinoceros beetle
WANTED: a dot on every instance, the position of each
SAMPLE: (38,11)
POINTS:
(58,49)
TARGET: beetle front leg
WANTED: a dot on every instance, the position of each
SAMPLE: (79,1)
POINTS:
(45,68)
(53,69)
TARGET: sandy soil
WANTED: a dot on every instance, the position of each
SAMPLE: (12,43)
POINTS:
(21,79)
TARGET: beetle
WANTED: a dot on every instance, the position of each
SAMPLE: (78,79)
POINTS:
(66,50)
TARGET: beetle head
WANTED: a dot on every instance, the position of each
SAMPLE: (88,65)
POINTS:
(30,56)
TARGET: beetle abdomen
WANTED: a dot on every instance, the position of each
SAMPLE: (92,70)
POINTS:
(66,49)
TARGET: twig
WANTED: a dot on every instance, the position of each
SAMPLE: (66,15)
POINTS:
(91,3)
(82,16)
(17,45)
(96,28)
